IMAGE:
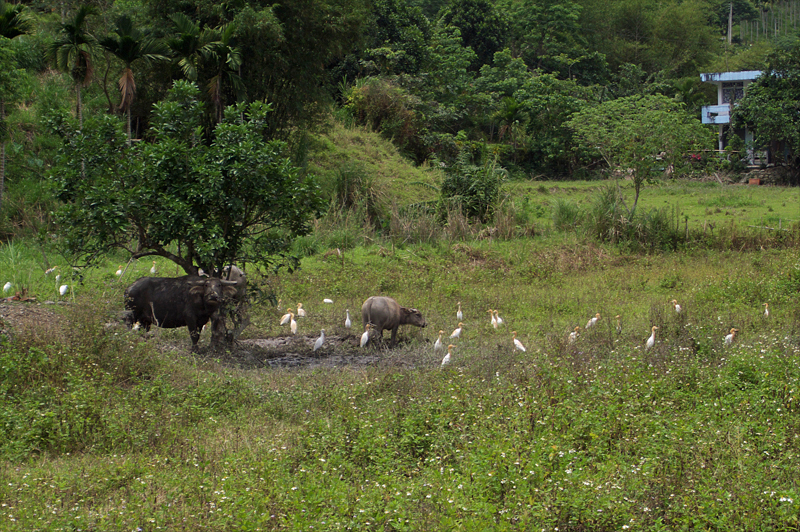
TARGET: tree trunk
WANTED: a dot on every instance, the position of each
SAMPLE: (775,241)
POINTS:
(128,113)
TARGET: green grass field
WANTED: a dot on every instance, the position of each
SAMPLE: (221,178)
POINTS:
(106,429)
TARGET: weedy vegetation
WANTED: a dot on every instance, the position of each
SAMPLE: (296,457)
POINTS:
(102,428)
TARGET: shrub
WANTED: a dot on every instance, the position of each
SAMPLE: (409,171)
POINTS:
(473,189)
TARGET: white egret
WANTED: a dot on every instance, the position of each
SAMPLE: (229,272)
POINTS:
(517,343)
(676,306)
(301,312)
(153,269)
(292,323)
(619,324)
(279,304)
(766,310)
(320,340)
(437,345)
(58,277)
(119,271)
(592,321)
(328,301)
(7,287)
(573,336)
(494,320)
(446,359)
(63,289)
(729,338)
(498,318)
(347,322)
(457,332)
(48,271)
(365,336)
(285,318)
(652,340)
(459,314)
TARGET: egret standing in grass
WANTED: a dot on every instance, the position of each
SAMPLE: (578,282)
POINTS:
(676,306)
(63,289)
(517,344)
(766,310)
(729,338)
(459,314)
(153,269)
(457,332)
(320,340)
(493,319)
(286,317)
(573,336)
(119,271)
(301,312)
(498,318)
(292,323)
(652,340)
(592,321)
(347,322)
(7,287)
(619,324)
(365,336)
(446,359)
(437,345)
(328,301)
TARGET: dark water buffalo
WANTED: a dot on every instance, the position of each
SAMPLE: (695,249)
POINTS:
(385,313)
(171,302)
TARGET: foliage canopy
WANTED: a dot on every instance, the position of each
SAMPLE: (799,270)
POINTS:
(235,199)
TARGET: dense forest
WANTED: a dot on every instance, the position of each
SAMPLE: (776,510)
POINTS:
(453,83)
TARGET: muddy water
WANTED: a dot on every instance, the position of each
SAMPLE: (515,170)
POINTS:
(297,351)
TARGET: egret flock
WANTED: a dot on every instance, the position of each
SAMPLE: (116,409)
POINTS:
(496,322)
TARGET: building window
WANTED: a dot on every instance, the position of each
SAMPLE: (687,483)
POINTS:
(732,91)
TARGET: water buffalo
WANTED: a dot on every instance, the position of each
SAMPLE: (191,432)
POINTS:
(385,313)
(171,302)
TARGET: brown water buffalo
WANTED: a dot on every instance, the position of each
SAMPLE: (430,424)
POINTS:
(171,302)
(384,313)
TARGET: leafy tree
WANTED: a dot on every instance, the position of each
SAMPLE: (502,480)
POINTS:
(396,38)
(289,48)
(640,135)
(13,23)
(237,199)
(771,105)
(483,27)
(742,10)
(131,45)
(73,51)
(547,35)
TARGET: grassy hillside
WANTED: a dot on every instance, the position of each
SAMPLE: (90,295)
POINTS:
(338,148)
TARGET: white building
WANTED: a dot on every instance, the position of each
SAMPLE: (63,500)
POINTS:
(731,87)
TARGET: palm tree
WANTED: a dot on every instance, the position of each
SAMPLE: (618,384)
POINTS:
(14,20)
(190,44)
(13,23)
(131,45)
(72,52)
(227,61)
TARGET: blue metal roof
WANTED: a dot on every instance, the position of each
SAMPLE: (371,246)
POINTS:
(745,75)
